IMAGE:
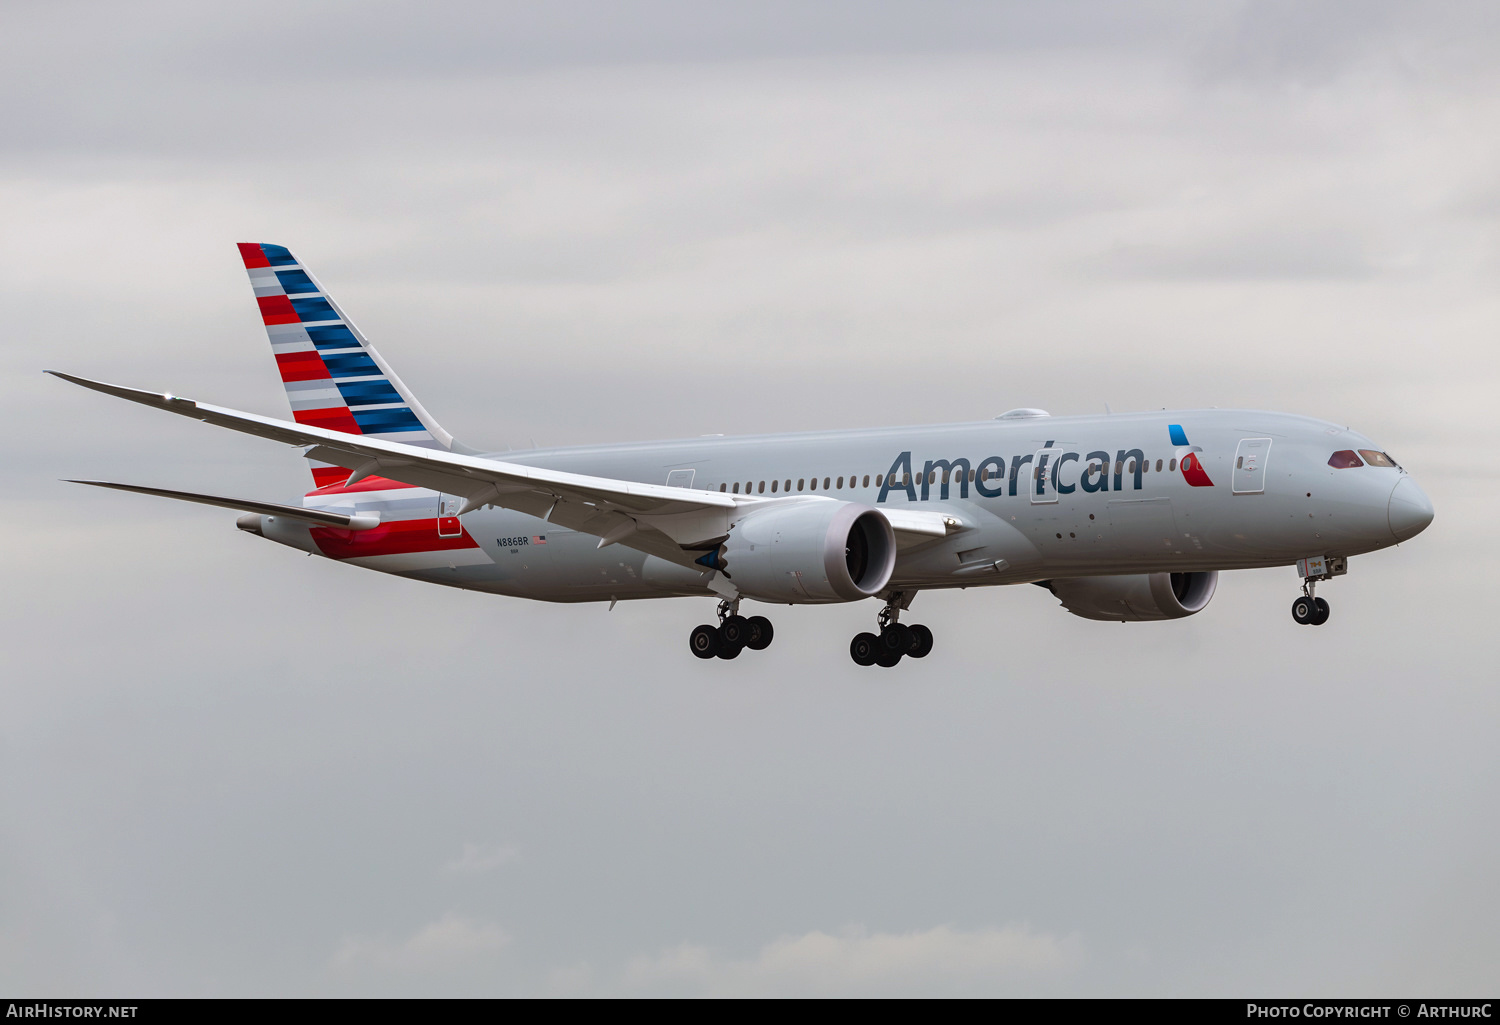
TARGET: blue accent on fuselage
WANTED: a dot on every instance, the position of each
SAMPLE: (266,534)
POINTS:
(295,282)
(368,393)
(352,364)
(332,336)
(315,308)
(277,256)
(386,421)
(1179,436)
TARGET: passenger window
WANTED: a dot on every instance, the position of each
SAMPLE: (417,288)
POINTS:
(906,480)
(971,476)
(1158,466)
(788,485)
(773,486)
(841,484)
(762,487)
(1173,465)
(1344,459)
(1239,462)
(825,483)
(1130,466)
(723,486)
(1377,458)
(800,481)
(736,487)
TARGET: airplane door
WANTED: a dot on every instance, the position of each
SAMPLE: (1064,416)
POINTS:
(1250,466)
(1042,490)
(680,479)
(447,524)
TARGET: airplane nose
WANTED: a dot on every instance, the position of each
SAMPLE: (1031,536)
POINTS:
(1409,511)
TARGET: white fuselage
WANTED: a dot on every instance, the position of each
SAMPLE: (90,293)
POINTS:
(1034,498)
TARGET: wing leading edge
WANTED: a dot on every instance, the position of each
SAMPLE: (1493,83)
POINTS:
(676,524)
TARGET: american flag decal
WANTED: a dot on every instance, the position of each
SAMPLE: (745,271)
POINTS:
(538,539)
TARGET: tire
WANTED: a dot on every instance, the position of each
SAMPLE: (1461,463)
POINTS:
(921,641)
(888,659)
(1320,616)
(735,631)
(1303,610)
(704,641)
(864,648)
(897,638)
(728,651)
(761,633)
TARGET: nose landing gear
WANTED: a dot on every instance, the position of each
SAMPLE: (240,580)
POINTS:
(1309,609)
(895,640)
(733,635)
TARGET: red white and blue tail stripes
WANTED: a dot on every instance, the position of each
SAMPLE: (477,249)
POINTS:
(334,379)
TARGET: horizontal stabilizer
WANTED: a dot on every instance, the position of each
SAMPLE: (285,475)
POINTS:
(321,517)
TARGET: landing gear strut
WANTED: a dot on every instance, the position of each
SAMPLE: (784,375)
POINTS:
(733,635)
(895,639)
(1310,610)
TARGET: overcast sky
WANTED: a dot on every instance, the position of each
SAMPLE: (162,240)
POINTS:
(226,768)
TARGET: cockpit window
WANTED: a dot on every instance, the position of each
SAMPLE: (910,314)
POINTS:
(1376,458)
(1344,459)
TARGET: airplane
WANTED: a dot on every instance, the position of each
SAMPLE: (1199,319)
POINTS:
(1123,517)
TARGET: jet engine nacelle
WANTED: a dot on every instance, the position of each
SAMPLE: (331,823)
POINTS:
(1136,598)
(816,550)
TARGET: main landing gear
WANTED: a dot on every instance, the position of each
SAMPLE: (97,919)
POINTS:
(895,640)
(1309,610)
(733,635)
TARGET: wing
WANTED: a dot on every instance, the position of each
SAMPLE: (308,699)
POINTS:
(677,524)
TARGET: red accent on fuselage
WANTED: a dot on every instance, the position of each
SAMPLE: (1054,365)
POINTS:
(336,475)
(328,477)
(1193,472)
(251,254)
(398,537)
(277,309)
(301,366)
(334,418)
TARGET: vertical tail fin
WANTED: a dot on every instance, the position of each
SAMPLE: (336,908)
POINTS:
(334,378)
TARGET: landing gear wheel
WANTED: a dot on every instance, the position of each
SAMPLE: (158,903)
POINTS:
(735,631)
(1304,610)
(921,641)
(896,638)
(728,649)
(761,633)
(864,648)
(1320,615)
(704,640)
(888,659)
